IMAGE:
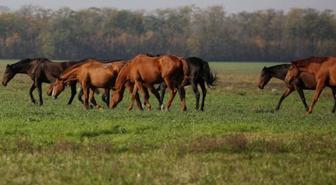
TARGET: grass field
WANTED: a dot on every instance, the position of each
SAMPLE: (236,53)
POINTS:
(238,139)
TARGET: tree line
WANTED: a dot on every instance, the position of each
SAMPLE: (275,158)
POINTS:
(210,33)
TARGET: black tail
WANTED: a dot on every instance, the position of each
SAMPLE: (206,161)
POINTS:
(208,76)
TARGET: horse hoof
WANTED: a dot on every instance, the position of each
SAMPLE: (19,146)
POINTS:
(308,112)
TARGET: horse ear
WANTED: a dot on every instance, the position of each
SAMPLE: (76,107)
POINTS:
(294,64)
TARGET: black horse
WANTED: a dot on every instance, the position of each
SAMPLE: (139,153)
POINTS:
(304,82)
(200,74)
(40,70)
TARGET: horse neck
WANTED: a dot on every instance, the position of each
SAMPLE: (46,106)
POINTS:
(122,77)
(278,72)
(22,68)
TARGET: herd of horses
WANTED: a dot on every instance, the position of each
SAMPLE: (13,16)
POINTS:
(143,73)
(157,73)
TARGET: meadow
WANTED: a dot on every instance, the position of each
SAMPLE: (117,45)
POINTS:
(238,139)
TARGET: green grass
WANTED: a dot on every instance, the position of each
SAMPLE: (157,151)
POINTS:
(238,139)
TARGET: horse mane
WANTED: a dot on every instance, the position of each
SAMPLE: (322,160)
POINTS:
(29,60)
(306,61)
(275,68)
(153,55)
(67,75)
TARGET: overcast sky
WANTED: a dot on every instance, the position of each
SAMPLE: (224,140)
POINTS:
(229,5)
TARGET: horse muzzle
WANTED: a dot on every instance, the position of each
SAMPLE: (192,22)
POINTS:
(4,84)
(53,94)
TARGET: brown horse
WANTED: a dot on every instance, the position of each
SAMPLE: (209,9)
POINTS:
(322,68)
(40,70)
(145,71)
(91,75)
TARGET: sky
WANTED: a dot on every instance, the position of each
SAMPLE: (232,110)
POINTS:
(232,6)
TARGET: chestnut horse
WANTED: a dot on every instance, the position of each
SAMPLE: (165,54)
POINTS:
(146,71)
(322,68)
(91,75)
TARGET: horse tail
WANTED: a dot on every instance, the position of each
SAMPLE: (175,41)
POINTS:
(208,76)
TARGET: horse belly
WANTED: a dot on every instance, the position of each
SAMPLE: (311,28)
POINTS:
(151,77)
(101,79)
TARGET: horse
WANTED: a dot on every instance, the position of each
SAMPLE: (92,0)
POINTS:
(40,70)
(91,75)
(323,69)
(146,71)
(200,74)
(304,82)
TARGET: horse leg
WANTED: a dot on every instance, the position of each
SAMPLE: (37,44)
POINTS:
(93,100)
(317,93)
(80,95)
(204,92)
(287,92)
(32,88)
(334,95)
(157,95)
(106,96)
(182,93)
(130,87)
(86,93)
(39,89)
(302,97)
(133,97)
(172,93)
(171,98)
(145,95)
(73,92)
(163,88)
(196,92)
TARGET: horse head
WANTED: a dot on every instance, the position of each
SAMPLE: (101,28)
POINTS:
(265,77)
(57,88)
(8,75)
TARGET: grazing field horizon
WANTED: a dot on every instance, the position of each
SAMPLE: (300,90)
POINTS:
(238,139)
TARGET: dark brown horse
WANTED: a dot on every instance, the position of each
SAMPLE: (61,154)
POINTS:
(40,70)
(91,75)
(323,69)
(200,74)
(145,71)
(304,82)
